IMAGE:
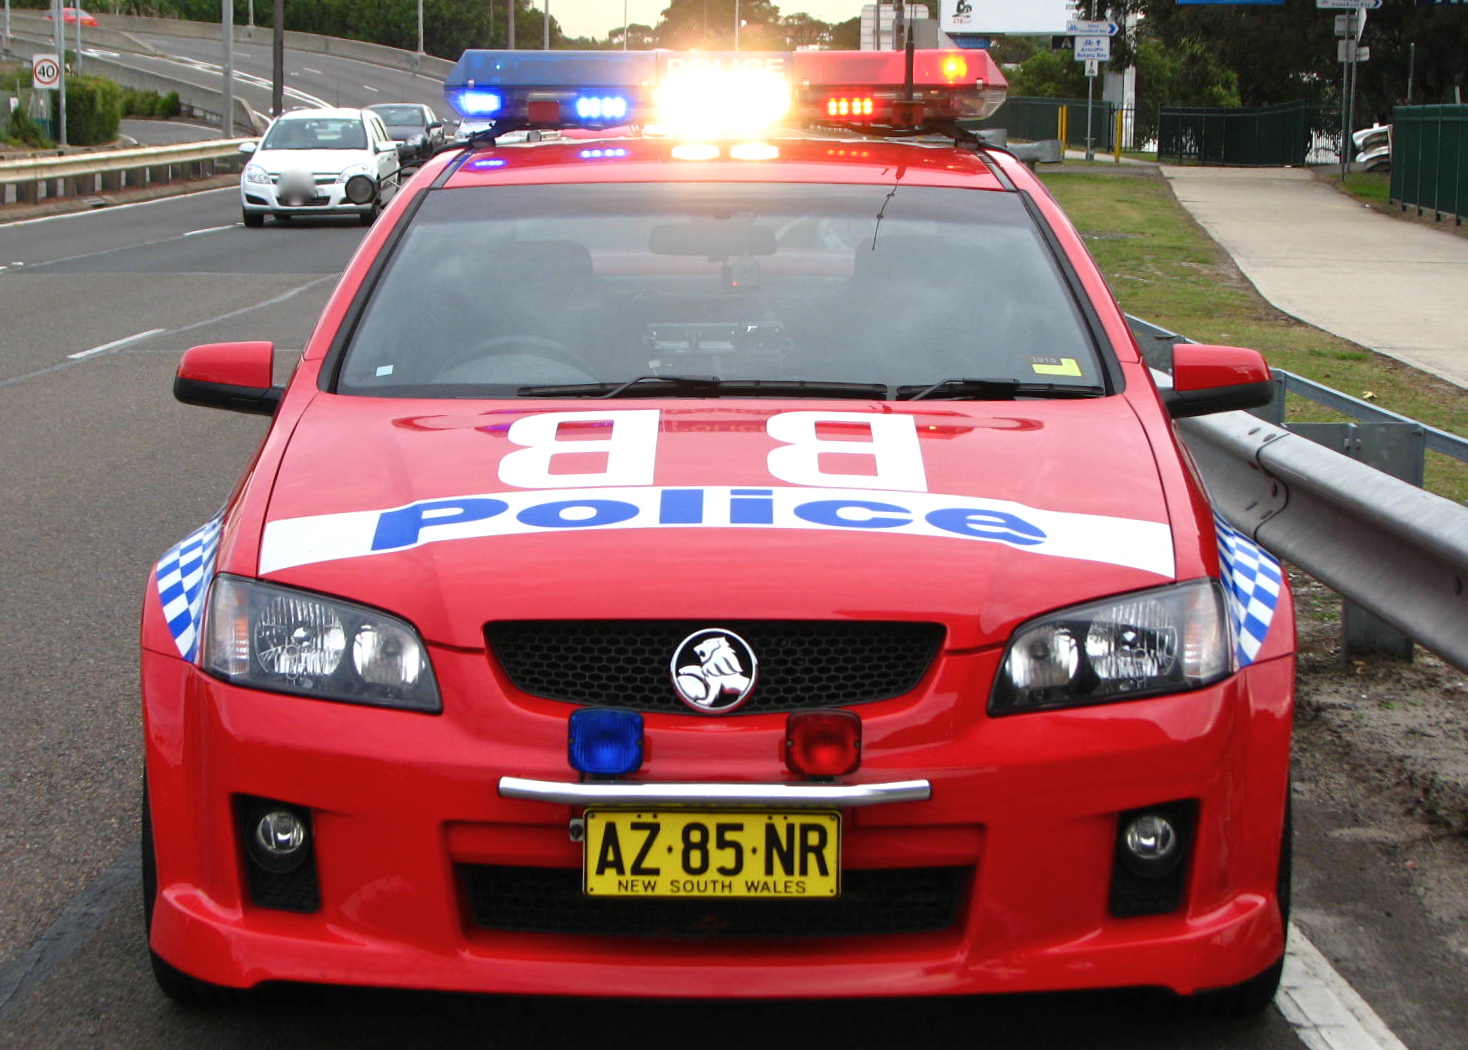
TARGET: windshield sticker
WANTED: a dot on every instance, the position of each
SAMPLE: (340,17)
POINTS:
(183,579)
(1055,366)
(1144,545)
(1252,580)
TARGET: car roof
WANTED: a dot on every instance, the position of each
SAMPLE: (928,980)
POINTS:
(305,114)
(854,161)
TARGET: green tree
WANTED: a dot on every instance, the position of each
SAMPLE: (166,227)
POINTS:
(1049,74)
(708,25)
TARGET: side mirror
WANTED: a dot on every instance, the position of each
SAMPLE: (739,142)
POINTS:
(238,377)
(1208,379)
(249,147)
(388,147)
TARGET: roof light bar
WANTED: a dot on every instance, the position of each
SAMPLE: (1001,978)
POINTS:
(713,94)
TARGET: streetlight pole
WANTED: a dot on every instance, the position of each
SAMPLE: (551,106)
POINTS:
(226,22)
(420,27)
(624,22)
(545,39)
(736,25)
(61,82)
(510,39)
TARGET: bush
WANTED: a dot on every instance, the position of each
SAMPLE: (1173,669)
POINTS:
(149,104)
(93,110)
(23,129)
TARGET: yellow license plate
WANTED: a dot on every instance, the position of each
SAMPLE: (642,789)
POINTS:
(711,853)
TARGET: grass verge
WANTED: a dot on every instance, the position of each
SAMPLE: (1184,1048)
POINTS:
(1164,268)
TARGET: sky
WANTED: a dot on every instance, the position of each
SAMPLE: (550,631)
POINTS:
(594,18)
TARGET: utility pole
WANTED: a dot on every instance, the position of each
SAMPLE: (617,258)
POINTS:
(545,39)
(61,55)
(277,62)
(226,22)
(510,42)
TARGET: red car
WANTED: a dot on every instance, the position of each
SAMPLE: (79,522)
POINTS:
(73,15)
(775,573)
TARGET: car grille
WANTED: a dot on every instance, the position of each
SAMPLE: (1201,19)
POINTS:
(801,663)
(320,178)
(872,902)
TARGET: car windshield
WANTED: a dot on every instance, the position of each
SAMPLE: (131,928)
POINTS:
(316,133)
(401,116)
(697,289)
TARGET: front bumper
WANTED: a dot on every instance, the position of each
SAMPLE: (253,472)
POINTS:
(324,199)
(412,828)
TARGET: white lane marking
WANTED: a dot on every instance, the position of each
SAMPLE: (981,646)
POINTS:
(211,229)
(308,69)
(1325,1011)
(115,344)
(114,209)
(370,88)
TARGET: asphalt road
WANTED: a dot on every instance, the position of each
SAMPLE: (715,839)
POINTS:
(102,471)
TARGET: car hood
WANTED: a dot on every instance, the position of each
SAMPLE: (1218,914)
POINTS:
(276,161)
(975,515)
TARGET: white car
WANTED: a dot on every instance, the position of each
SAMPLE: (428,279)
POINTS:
(320,162)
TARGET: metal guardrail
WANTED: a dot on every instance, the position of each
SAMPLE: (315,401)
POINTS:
(83,174)
(1394,550)
(1398,552)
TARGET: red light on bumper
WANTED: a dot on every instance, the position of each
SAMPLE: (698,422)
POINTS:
(823,743)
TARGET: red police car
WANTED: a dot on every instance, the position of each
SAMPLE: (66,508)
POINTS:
(776,573)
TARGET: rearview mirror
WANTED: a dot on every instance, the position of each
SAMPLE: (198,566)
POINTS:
(712,239)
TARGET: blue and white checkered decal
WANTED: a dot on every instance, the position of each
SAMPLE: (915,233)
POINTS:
(1252,580)
(183,580)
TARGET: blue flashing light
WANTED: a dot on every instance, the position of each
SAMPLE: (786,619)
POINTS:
(608,107)
(472,102)
(602,741)
(486,164)
(602,154)
(592,89)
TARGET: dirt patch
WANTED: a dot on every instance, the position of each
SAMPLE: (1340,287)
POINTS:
(1387,739)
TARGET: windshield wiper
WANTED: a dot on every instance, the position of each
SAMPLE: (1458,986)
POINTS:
(995,390)
(709,386)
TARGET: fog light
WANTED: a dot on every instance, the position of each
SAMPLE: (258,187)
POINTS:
(360,189)
(823,743)
(278,840)
(1152,844)
(604,742)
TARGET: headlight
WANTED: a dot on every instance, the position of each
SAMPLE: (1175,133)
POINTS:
(1167,640)
(255,173)
(287,641)
(355,169)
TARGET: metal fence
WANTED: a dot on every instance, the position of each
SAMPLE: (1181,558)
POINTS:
(1038,119)
(1257,136)
(1430,159)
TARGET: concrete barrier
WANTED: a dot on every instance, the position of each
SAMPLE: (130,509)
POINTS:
(201,101)
(359,50)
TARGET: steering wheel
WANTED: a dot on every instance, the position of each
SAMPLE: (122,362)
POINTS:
(521,345)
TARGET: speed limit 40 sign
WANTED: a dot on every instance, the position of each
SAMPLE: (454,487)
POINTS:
(45,72)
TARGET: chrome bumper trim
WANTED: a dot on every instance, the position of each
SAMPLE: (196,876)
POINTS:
(779,796)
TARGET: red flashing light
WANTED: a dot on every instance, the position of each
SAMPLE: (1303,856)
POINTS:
(850,108)
(823,743)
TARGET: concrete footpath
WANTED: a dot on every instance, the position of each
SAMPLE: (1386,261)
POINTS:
(1397,286)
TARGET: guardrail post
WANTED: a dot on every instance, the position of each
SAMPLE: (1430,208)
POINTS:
(1397,449)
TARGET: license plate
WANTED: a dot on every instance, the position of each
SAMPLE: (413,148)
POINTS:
(711,853)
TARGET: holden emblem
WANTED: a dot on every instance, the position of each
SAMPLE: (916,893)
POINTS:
(714,670)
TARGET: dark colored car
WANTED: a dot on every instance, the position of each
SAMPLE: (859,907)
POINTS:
(415,126)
